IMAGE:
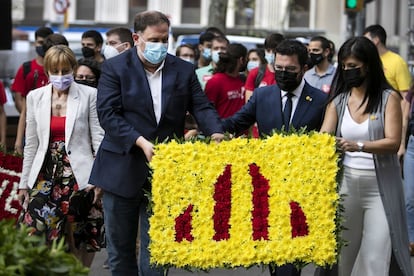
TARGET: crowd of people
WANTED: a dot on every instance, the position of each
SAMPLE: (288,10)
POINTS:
(86,129)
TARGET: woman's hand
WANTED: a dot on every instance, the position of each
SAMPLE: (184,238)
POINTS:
(346,145)
(23,198)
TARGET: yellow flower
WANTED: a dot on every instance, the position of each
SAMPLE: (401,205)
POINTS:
(300,168)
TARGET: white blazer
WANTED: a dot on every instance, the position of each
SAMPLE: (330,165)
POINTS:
(83,133)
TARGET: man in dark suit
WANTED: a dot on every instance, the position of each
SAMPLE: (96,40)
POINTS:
(143,96)
(291,102)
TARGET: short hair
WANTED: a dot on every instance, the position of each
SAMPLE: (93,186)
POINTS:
(221,39)
(124,34)
(54,39)
(272,40)
(215,31)
(43,32)
(149,18)
(377,31)
(91,64)
(95,35)
(323,40)
(59,56)
(291,47)
(189,46)
(206,36)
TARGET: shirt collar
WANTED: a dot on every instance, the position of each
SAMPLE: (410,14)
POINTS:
(298,91)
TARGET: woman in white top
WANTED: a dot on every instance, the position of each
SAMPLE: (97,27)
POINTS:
(365,115)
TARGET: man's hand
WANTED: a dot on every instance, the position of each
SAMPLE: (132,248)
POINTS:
(146,146)
(218,137)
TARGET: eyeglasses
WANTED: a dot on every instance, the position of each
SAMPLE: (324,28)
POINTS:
(291,69)
(85,77)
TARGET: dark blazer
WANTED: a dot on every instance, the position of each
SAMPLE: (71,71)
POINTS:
(125,111)
(265,108)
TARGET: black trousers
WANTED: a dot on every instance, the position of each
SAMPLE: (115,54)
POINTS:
(285,270)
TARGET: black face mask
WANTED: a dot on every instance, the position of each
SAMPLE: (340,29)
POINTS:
(88,52)
(40,51)
(287,81)
(87,82)
(316,58)
(353,77)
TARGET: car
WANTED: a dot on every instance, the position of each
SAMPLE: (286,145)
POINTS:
(249,42)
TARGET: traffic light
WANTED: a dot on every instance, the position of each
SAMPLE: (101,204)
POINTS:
(354,5)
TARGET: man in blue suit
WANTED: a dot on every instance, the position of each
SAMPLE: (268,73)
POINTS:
(143,96)
(291,102)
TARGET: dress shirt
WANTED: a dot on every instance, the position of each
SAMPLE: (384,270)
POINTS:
(155,84)
(295,99)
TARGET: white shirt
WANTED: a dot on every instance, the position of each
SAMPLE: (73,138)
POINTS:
(155,84)
(295,99)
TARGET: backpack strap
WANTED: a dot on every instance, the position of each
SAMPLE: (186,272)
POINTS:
(27,67)
(260,75)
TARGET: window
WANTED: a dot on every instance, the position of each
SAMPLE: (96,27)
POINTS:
(299,13)
(136,6)
(85,10)
(190,13)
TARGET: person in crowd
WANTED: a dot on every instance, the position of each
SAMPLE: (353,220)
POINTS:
(3,117)
(226,88)
(406,151)
(395,68)
(291,102)
(186,52)
(365,115)
(88,72)
(255,58)
(118,40)
(332,53)
(49,41)
(264,75)
(135,106)
(204,48)
(92,43)
(62,136)
(322,72)
(30,74)
(218,45)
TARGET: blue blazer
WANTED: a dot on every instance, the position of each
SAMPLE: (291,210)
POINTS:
(125,110)
(265,108)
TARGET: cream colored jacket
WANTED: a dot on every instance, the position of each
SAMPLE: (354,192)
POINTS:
(83,133)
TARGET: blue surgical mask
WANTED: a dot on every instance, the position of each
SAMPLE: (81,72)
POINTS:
(60,82)
(207,53)
(215,56)
(252,64)
(155,52)
(270,58)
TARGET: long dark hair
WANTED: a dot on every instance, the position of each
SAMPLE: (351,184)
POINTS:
(362,49)
(228,59)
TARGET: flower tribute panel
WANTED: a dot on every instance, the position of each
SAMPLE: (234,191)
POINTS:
(244,202)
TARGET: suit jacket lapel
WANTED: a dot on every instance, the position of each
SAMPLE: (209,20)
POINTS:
(169,76)
(71,111)
(304,103)
(142,85)
(276,108)
(45,111)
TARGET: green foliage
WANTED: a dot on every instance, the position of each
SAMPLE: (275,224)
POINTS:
(24,254)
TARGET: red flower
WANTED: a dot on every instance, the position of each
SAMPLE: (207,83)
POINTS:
(183,225)
(222,208)
(298,220)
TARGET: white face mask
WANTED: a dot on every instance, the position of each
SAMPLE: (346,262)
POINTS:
(188,59)
(111,51)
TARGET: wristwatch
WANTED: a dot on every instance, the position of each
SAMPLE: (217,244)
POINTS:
(360,146)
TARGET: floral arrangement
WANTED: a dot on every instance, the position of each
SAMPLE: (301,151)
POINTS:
(10,171)
(245,202)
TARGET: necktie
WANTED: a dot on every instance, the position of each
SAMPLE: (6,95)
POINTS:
(287,111)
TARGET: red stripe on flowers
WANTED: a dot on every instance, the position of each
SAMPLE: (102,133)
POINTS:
(298,220)
(222,208)
(260,211)
(183,225)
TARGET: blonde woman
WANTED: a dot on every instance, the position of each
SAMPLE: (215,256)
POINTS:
(62,135)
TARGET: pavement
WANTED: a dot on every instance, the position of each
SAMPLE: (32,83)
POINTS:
(100,257)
